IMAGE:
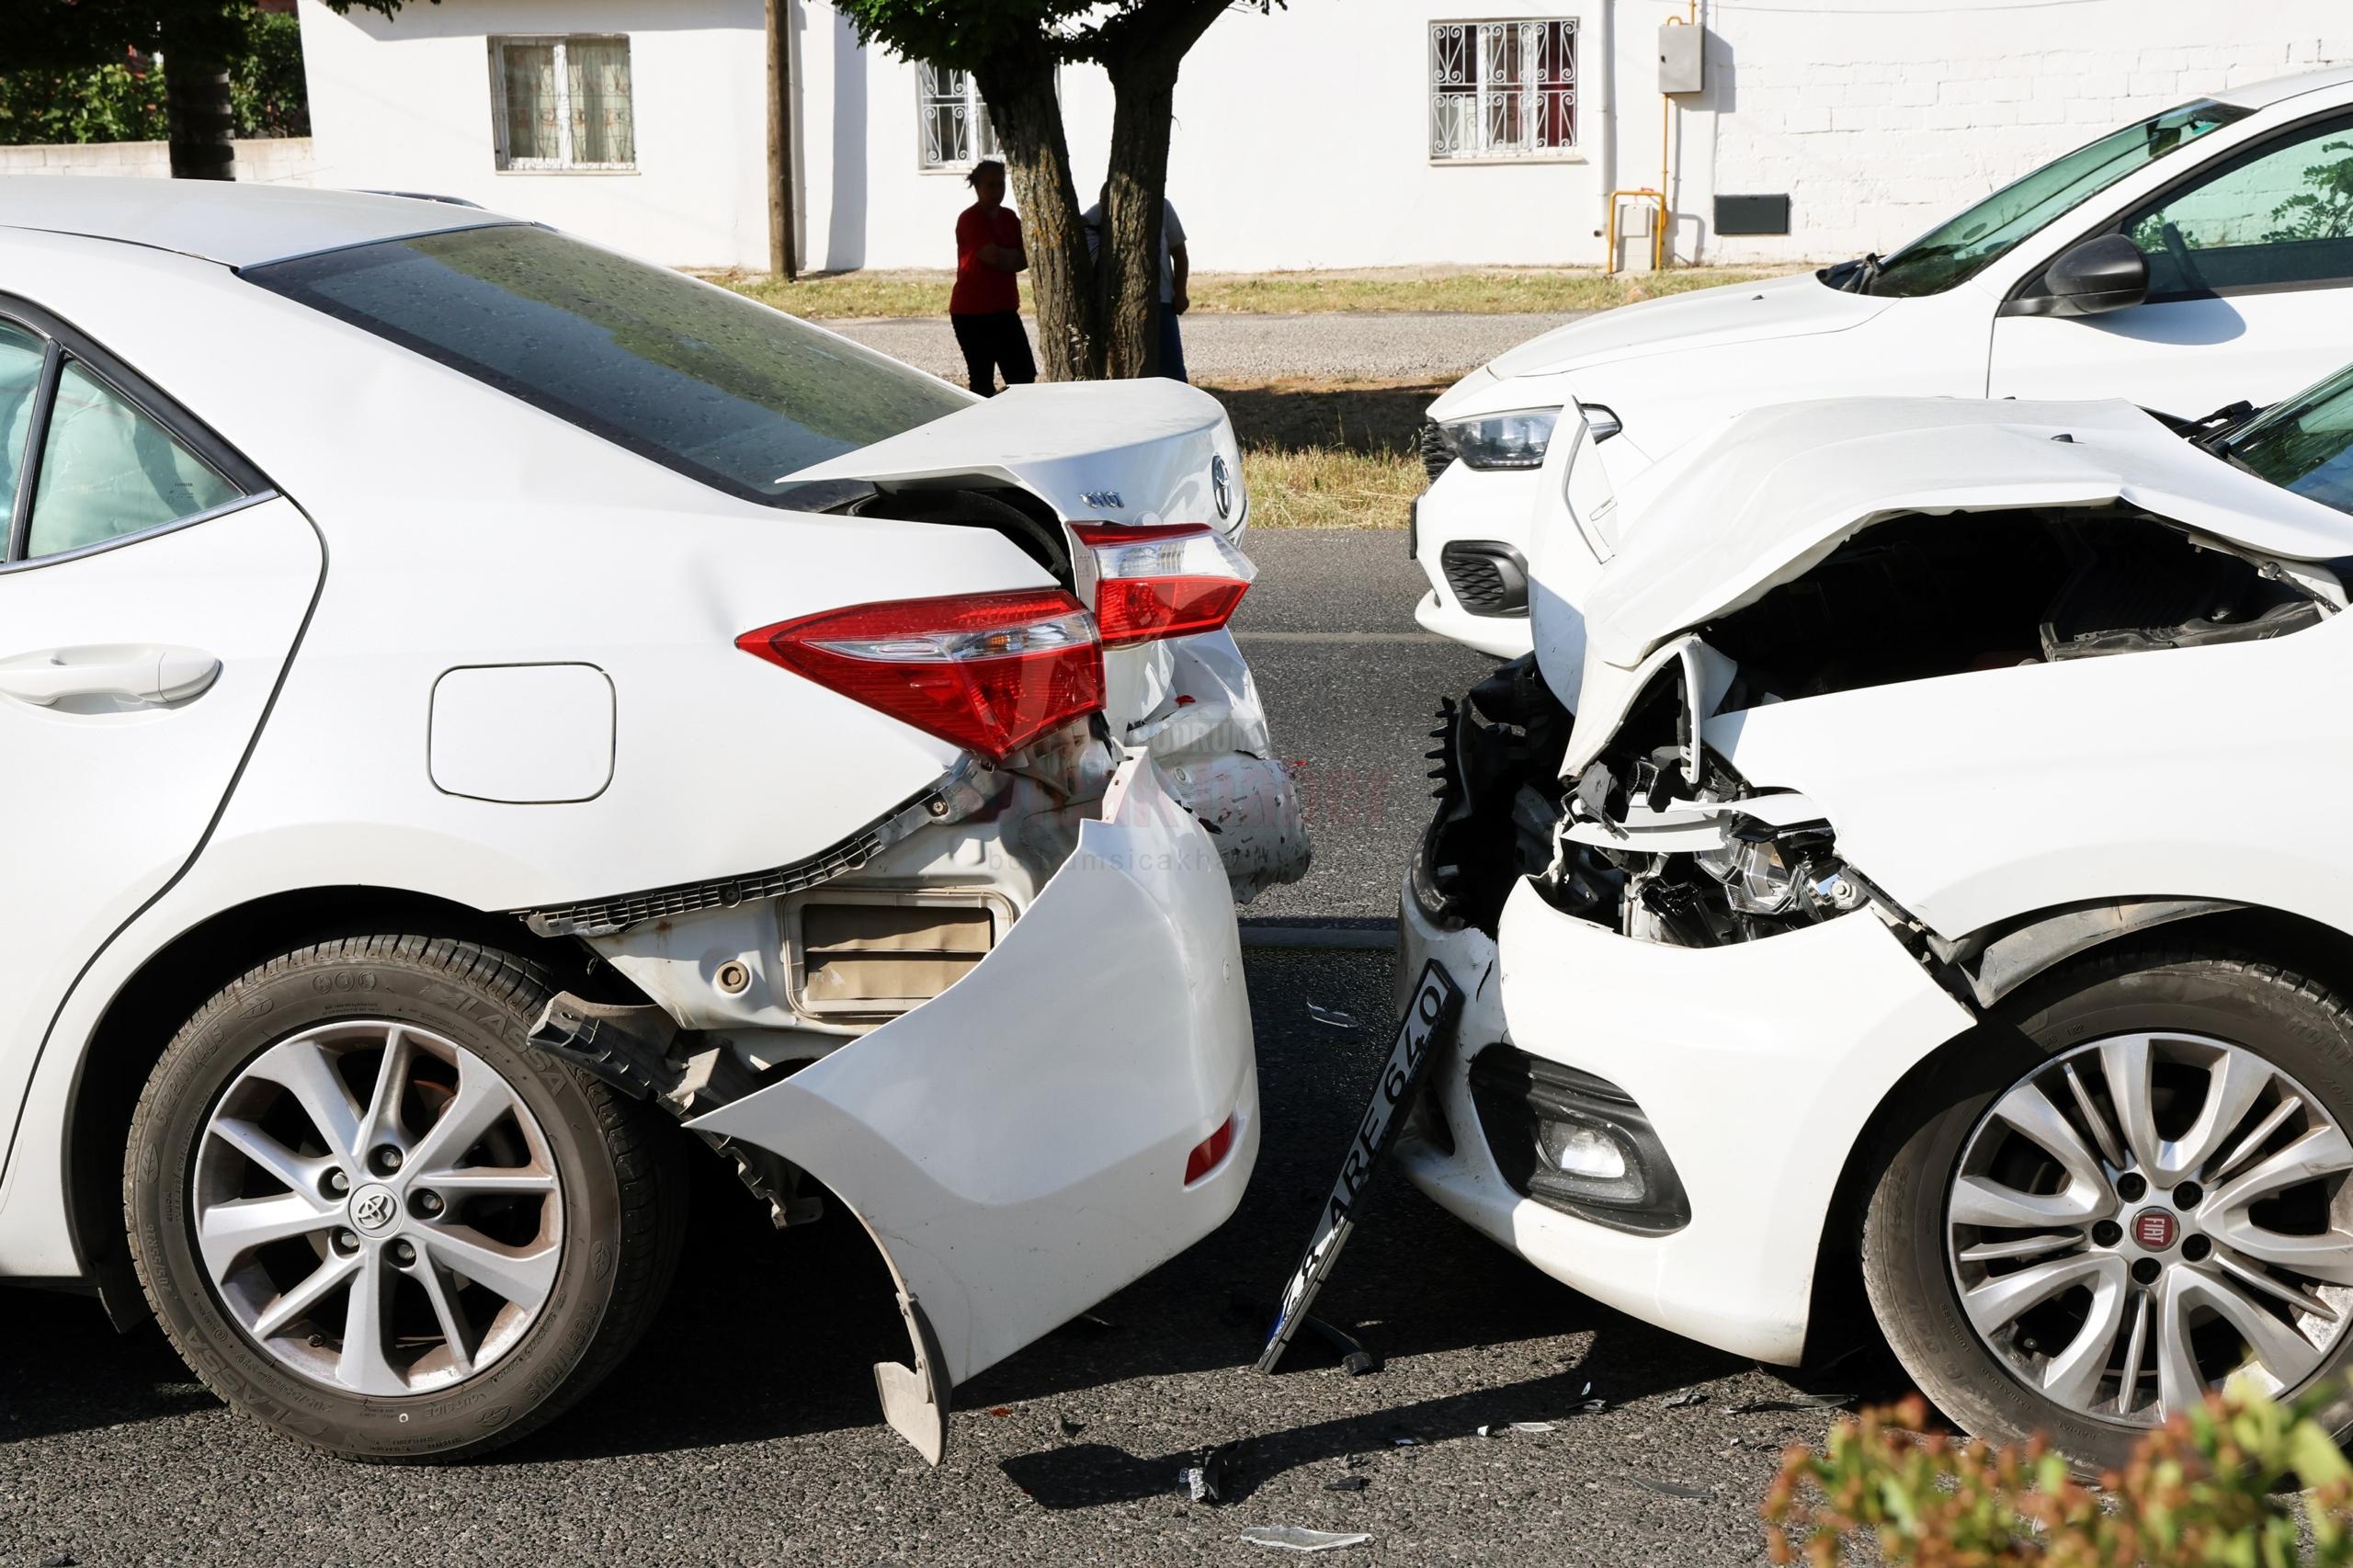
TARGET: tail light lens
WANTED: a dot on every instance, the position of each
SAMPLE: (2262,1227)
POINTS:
(1210,1152)
(1172,581)
(989,672)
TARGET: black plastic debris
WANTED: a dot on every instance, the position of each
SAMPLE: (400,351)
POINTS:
(1348,1483)
(1357,1358)
(1687,1398)
(58,1560)
(1670,1488)
(1332,1017)
(1207,1478)
(1072,1428)
(1792,1402)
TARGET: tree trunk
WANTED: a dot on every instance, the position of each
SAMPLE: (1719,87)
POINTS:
(195,106)
(1144,93)
(1028,120)
(1143,51)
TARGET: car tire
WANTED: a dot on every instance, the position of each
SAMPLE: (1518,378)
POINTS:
(567,1206)
(1997,1383)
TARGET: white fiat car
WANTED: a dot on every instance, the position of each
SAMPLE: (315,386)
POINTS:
(1922,865)
(475,702)
(2195,259)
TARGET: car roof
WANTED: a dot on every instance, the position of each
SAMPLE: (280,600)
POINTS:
(237,224)
(2263,94)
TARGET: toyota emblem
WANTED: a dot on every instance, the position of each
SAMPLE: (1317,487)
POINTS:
(1222,482)
(373,1207)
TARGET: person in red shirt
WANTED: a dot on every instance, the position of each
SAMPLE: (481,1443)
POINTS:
(986,307)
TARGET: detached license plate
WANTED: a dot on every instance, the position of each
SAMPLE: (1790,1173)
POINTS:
(1429,1016)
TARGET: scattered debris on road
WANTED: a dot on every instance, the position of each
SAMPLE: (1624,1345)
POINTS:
(1348,1483)
(1687,1398)
(1206,1478)
(1792,1402)
(1332,1017)
(1294,1538)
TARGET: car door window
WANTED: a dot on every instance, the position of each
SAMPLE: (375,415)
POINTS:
(2279,217)
(20,360)
(107,469)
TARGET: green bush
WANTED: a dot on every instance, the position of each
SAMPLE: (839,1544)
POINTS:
(2209,1490)
(123,100)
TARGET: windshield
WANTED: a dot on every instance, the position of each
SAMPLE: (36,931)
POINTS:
(699,380)
(1962,246)
(2305,444)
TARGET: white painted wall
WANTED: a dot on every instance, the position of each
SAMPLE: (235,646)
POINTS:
(1301,141)
(1882,118)
(273,160)
(406,103)
(1302,137)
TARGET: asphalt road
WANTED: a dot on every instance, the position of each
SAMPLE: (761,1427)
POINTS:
(746,1429)
(1368,345)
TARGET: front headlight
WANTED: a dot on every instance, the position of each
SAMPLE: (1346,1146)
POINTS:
(1504,441)
(1755,877)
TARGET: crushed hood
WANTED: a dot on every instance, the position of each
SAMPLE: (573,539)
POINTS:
(1773,491)
(1802,306)
(1140,451)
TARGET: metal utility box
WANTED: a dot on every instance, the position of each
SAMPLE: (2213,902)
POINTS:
(1682,58)
(1752,214)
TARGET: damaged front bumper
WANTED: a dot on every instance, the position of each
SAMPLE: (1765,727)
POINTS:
(1019,1146)
(1754,1066)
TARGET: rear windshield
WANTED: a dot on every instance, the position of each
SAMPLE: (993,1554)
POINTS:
(699,380)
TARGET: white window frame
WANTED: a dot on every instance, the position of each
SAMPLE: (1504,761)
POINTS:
(563,163)
(1473,74)
(983,140)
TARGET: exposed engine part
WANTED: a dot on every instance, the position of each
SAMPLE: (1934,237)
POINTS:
(1919,595)
(1495,756)
(638,1049)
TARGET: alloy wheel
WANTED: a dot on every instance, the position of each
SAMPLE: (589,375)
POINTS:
(2149,1215)
(377,1208)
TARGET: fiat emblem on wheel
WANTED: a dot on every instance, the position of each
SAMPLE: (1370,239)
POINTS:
(372,1208)
(2155,1229)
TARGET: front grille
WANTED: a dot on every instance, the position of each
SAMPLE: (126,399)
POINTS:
(1487,576)
(1436,455)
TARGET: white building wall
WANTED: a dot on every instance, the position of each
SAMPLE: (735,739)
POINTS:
(274,160)
(1301,141)
(405,104)
(1882,118)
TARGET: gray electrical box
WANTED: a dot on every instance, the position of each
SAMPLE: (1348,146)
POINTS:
(1682,58)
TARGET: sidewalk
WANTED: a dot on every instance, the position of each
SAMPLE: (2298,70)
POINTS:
(1384,345)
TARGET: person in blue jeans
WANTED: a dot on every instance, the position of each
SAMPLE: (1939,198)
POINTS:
(1175,271)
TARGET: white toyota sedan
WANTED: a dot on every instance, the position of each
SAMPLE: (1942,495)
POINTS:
(1940,888)
(485,716)
(2197,258)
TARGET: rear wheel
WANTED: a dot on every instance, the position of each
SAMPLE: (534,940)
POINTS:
(369,1215)
(2146,1194)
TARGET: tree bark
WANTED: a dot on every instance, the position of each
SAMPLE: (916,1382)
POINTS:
(1028,120)
(1143,53)
(195,107)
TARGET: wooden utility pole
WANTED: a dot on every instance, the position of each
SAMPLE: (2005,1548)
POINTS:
(784,258)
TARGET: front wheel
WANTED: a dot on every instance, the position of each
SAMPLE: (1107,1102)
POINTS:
(369,1215)
(2145,1194)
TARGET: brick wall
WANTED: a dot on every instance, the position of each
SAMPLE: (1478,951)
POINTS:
(1882,120)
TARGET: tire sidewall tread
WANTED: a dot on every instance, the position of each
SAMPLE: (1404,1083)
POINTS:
(622,1199)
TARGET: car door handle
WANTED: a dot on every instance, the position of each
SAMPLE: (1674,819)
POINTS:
(143,674)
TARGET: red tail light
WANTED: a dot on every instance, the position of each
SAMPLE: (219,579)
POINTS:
(1210,1152)
(1163,582)
(991,671)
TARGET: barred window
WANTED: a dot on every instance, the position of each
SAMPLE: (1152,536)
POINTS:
(1503,89)
(955,132)
(562,103)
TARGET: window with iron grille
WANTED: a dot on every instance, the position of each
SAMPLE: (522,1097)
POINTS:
(562,103)
(956,133)
(1503,89)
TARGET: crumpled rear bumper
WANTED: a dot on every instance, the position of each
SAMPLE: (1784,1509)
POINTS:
(1757,1063)
(1018,1146)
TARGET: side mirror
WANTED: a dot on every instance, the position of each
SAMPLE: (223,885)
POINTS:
(2104,274)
